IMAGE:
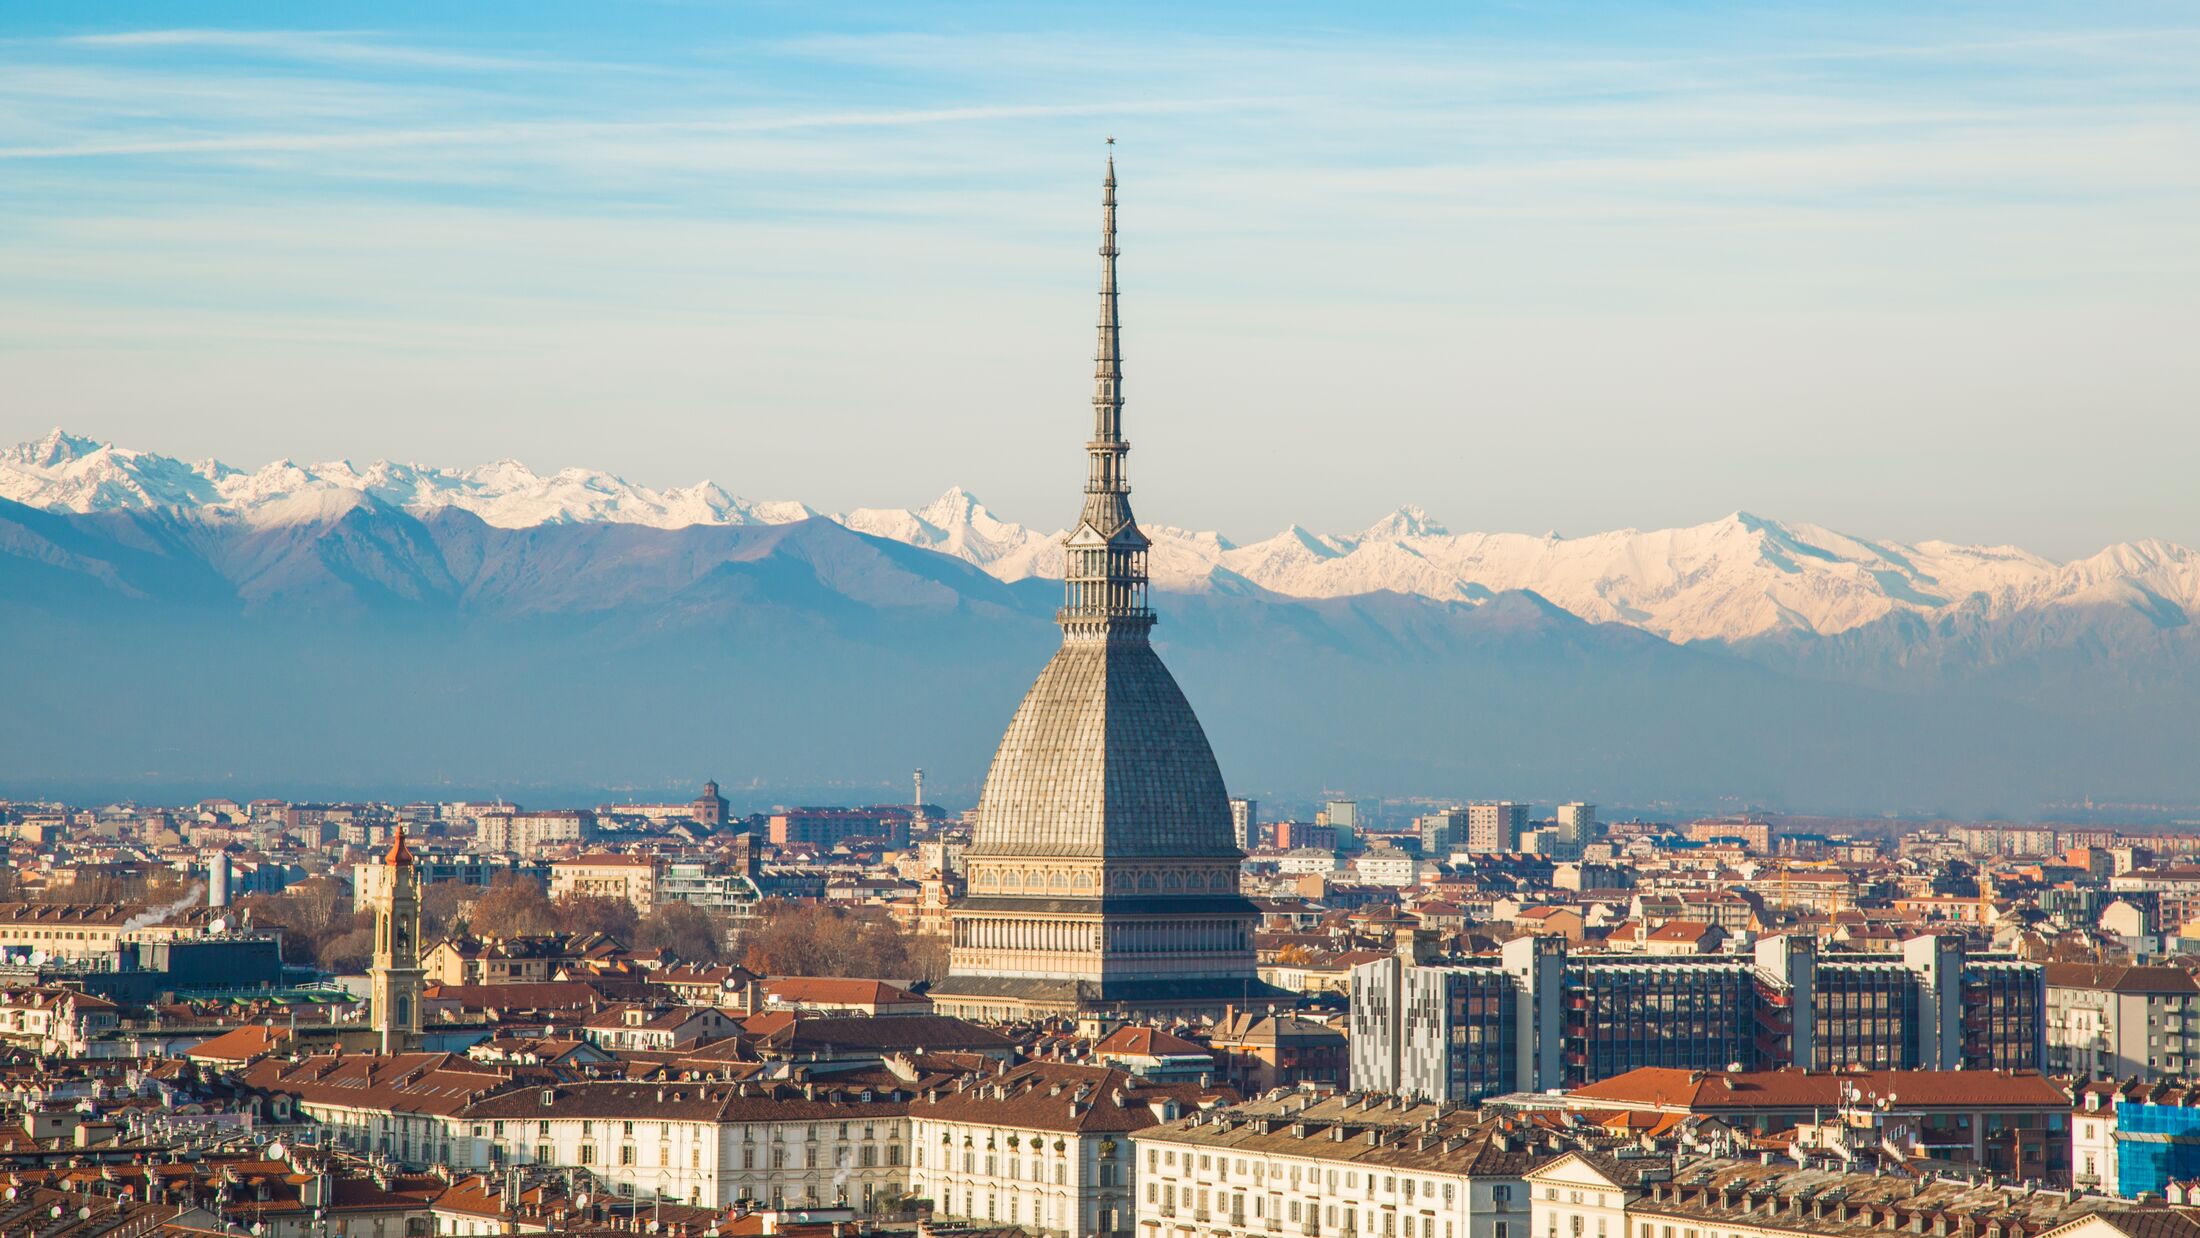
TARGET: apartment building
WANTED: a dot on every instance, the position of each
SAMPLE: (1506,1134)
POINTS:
(1496,826)
(530,833)
(1044,1146)
(369,882)
(2120,1021)
(2012,1123)
(2131,1138)
(1384,1167)
(710,1144)
(629,878)
(1579,1194)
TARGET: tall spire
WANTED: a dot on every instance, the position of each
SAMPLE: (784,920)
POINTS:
(1105,589)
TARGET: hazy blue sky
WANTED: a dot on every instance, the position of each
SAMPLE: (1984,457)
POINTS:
(1910,270)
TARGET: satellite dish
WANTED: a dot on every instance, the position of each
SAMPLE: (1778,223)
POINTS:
(276,1151)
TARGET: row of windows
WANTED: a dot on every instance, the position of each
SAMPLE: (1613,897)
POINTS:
(1158,1159)
(1309,1216)
(1015,1167)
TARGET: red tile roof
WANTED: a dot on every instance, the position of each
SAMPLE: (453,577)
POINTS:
(1716,1091)
(438,1083)
(833,990)
(1147,1042)
(242,1044)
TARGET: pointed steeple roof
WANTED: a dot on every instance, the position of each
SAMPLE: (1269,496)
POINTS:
(1105,590)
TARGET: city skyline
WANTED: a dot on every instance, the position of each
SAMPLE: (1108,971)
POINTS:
(404,849)
(1575,270)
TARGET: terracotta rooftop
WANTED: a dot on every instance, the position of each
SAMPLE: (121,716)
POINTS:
(1147,1042)
(1714,1091)
(2120,979)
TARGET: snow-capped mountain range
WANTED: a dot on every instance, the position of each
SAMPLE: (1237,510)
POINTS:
(1734,579)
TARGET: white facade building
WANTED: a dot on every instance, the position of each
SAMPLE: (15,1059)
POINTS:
(1359,1165)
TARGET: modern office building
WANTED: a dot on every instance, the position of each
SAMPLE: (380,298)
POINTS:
(1539,1017)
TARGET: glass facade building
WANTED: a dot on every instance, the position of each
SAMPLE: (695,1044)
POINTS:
(1537,1018)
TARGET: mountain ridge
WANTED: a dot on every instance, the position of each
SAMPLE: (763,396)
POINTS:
(1742,580)
(160,645)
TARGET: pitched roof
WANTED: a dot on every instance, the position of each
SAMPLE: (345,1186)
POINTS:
(2120,979)
(240,1044)
(539,995)
(689,1102)
(796,1033)
(437,1083)
(1147,1042)
(1701,1091)
(1415,1135)
(1055,1096)
(835,990)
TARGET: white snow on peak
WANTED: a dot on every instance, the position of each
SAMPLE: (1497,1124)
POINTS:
(956,523)
(1733,578)
(70,473)
(1407,522)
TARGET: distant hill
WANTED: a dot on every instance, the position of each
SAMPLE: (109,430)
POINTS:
(340,636)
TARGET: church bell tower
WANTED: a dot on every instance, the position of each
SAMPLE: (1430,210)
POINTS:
(396,974)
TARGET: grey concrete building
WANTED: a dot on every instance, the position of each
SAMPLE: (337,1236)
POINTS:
(2120,1022)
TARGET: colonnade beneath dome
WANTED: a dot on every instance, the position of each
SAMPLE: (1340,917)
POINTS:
(1115,937)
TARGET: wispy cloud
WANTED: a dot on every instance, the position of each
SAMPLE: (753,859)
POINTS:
(522,132)
(345,47)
